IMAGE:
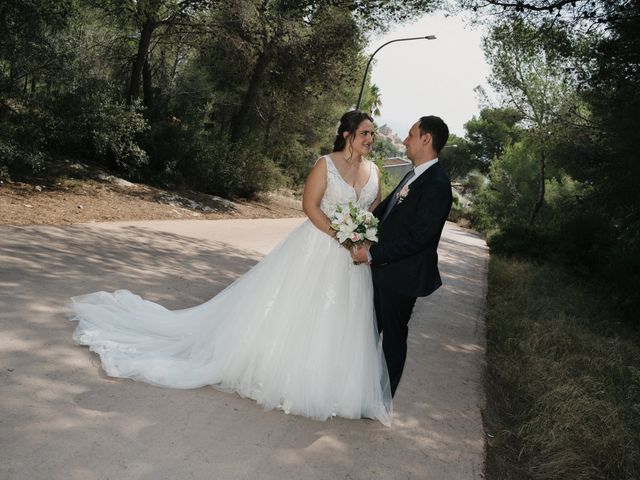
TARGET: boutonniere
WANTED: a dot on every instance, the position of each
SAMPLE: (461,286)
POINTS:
(402,194)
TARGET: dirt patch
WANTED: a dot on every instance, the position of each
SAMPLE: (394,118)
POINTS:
(79,201)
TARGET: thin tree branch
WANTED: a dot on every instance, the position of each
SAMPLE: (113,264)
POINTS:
(530,6)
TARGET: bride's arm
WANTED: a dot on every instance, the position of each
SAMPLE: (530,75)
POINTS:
(313,192)
(378,199)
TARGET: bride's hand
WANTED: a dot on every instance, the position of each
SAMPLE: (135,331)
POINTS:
(359,254)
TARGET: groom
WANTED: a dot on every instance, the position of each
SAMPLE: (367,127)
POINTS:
(404,262)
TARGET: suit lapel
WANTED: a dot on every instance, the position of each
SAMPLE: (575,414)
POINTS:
(430,172)
(382,207)
(415,185)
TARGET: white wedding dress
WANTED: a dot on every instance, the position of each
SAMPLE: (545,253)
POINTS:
(296,332)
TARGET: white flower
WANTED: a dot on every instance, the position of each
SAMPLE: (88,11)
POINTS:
(340,217)
(370,234)
(342,236)
(348,225)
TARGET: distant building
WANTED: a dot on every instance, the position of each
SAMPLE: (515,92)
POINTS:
(397,167)
(385,132)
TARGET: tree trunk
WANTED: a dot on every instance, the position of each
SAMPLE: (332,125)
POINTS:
(12,77)
(541,188)
(146,82)
(138,64)
(257,79)
(267,130)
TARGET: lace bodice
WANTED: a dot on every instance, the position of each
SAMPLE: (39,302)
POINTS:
(339,192)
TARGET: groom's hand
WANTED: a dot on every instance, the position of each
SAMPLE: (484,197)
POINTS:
(359,254)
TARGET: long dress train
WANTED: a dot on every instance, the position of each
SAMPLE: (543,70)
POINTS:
(296,332)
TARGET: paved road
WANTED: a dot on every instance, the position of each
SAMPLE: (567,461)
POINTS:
(62,418)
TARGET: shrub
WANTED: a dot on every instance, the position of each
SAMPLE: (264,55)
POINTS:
(521,240)
(93,123)
(24,138)
(86,122)
(621,270)
(227,169)
(169,145)
(457,212)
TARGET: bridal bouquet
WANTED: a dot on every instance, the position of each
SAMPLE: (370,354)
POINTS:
(354,225)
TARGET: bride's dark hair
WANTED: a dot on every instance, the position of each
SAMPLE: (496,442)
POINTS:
(349,123)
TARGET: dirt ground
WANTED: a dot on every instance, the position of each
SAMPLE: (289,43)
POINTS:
(92,200)
(62,418)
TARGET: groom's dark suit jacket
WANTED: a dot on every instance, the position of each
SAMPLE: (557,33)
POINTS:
(405,259)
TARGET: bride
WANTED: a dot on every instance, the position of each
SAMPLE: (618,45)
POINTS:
(296,332)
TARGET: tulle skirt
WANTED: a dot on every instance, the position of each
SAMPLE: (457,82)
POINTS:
(296,332)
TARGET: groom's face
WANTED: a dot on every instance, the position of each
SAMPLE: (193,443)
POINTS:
(415,143)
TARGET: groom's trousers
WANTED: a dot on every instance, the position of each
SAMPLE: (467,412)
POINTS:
(393,311)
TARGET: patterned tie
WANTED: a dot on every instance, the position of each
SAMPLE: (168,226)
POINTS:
(398,189)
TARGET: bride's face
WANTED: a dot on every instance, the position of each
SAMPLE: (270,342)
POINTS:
(362,140)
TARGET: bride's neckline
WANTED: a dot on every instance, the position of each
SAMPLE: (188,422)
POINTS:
(358,194)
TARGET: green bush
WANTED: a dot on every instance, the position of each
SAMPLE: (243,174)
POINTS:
(457,211)
(576,240)
(84,122)
(520,240)
(621,270)
(222,168)
(25,137)
(94,124)
(170,146)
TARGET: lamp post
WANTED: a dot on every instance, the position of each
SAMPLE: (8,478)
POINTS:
(364,78)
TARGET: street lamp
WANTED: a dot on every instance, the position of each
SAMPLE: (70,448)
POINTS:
(364,78)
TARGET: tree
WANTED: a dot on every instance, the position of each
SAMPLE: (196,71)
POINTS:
(197,92)
(491,132)
(147,16)
(578,13)
(596,140)
(532,81)
(457,158)
(599,44)
(29,48)
(372,101)
(508,198)
(279,24)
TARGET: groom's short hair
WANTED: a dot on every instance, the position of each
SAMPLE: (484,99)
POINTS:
(438,130)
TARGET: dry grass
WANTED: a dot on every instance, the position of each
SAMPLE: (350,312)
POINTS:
(563,379)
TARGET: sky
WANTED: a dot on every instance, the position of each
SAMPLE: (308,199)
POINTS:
(429,77)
